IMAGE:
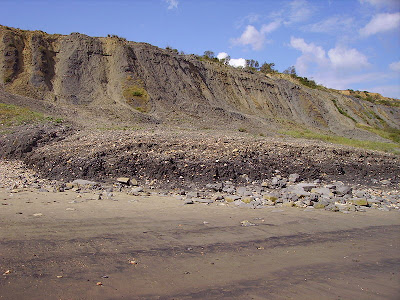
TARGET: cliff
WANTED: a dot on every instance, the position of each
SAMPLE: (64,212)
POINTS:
(91,80)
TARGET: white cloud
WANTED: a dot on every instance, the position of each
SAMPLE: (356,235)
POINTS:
(392,91)
(298,11)
(172,4)
(332,24)
(344,58)
(237,62)
(222,55)
(340,57)
(395,66)
(380,3)
(381,23)
(337,68)
(251,36)
(256,38)
(311,54)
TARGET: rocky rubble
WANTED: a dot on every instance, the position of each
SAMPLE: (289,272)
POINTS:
(277,192)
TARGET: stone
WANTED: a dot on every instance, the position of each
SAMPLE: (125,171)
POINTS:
(358,201)
(306,186)
(319,205)
(199,200)
(217,187)
(192,195)
(137,189)
(83,182)
(264,184)
(217,197)
(124,180)
(270,197)
(288,204)
(247,199)
(231,198)
(188,201)
(294,178)
(243,191)
(246,223)
(278,182)
(322,191)
(343,190)
(241,204)
(373,201)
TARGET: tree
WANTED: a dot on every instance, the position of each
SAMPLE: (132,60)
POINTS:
(267,68)
(209,54)
(226,60)
(291,71)
(252,64)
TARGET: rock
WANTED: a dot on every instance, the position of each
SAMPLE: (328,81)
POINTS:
(217,197)
(343,190)
(288,204)
(188,201)
(242,204)
(247,199)
(331,207)
(231,198)
(246,223)
(371,202)
(38,215)
(358,201)
(322,191)
(192,195)
(384,208)
(264,184)
(42,190)
(294,178)
(278,182)
(137,189)
(306,186)
(124,180)
(243,191)
(319,205)
(270,197)
(217,187)
(83,182)
(199,200)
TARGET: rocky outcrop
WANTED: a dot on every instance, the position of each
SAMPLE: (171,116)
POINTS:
(128,81)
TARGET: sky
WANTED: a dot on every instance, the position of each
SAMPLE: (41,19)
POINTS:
(341,44)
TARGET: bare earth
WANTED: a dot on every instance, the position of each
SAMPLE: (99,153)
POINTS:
(74,246)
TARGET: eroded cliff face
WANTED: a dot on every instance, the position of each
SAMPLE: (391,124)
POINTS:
(138,82)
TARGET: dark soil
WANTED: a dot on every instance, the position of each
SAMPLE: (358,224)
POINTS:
(188,159)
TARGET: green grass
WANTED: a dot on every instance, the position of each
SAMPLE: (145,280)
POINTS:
(340,110)
(12,115)
(381,146)
(386,132)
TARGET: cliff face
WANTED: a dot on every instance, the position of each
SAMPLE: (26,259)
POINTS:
(129,82)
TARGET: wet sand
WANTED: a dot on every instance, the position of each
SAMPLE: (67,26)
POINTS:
(157,248)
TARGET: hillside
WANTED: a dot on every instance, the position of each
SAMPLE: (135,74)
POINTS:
(108,80)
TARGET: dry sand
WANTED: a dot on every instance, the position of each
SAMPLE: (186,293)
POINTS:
(156,248)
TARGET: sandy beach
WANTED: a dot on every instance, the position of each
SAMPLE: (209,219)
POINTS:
(74,246)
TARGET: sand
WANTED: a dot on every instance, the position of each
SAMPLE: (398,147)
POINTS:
(73,246)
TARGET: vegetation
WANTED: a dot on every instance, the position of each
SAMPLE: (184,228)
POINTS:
(12,115)
(268,68)
(376,99)
(136,95)
(307,134)
(340,110)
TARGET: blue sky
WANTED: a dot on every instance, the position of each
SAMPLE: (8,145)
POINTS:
(339,43)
